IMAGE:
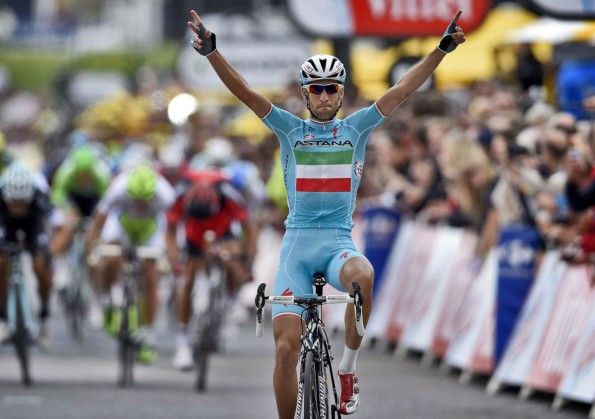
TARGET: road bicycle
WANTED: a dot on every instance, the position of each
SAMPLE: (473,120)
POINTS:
(315,353)
(209,318)
(21,322)
(128,341)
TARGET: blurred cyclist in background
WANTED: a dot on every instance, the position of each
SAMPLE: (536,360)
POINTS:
(207,202)
(78,184)
(132,212)
(323,160)
(25,206)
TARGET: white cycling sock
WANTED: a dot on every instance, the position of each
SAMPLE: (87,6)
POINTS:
(348,361)
(181,338)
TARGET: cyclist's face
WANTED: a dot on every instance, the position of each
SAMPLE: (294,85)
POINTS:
(325,99)
(18,208)
(84,177)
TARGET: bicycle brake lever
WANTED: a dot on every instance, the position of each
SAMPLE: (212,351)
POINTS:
(259,300)
(357,294)
(358,302)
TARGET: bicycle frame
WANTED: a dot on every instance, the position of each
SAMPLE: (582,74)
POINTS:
(21,323)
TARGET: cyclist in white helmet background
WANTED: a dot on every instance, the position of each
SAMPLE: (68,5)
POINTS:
(132,211)
(25,206)
(322,159)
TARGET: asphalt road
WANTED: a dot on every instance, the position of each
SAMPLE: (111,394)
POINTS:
(78,380)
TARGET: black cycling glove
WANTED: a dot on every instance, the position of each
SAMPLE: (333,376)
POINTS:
(208,45)
(447,44)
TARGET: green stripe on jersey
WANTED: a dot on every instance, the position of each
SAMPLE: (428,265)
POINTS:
(323,157)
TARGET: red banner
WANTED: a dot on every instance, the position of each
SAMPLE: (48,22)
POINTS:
(395,18)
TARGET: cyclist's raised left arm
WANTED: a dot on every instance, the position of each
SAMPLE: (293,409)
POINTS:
(418,74)
(204,43)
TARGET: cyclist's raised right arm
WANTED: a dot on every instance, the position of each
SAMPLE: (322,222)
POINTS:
(236,84)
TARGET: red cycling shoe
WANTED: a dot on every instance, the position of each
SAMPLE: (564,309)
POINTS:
(349,393)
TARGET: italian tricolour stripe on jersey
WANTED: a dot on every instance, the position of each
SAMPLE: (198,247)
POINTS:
(323,171)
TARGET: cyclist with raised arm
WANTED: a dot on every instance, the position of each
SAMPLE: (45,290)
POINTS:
(207,202)
(322,160)
(132,212)
(25,206)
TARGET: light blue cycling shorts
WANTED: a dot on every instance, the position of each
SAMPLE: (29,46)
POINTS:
(305,251)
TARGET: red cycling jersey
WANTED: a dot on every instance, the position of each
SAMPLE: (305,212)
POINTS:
(230,210)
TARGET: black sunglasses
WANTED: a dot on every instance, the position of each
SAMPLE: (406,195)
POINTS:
(317,89)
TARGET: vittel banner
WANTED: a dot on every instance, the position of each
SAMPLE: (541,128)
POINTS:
(387,18)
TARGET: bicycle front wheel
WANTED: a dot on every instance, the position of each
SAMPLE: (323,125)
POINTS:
(311,402)
(21,338)
(126,349)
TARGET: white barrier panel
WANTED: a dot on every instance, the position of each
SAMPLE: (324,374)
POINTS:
(474,316)
(463,272)
(411,273)
(579,381)
(482,361)
(385,297)
(567,323)
(518,359)
(429,296)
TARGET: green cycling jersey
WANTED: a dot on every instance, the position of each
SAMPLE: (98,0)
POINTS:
(69,180)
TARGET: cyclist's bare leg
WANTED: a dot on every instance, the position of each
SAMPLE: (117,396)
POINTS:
(184,294)
(287,330)
(238,272)
(109,272)
(150,289)
(43,272)
(361,271)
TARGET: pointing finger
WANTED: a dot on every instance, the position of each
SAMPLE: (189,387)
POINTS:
(195,17)
(456,18)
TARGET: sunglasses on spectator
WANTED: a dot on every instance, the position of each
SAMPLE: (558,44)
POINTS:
(317,89)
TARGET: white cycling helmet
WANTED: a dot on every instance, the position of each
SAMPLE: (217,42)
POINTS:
(219,152)
(17,183)
(322,67)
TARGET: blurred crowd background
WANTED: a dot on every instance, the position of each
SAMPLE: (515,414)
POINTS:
(503,133)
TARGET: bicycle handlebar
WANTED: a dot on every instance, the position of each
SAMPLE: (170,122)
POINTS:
(356,299)
(114,250)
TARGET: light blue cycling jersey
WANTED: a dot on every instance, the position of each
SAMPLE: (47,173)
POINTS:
(322,165)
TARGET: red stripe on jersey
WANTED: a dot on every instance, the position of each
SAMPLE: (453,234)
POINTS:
(323,185)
